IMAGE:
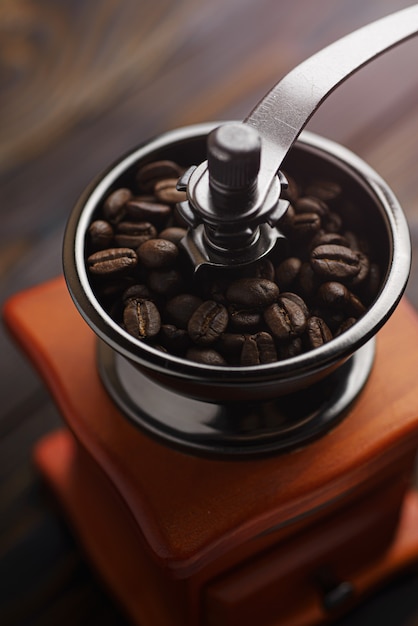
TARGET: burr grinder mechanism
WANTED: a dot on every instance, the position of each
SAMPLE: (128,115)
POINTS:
(229,223)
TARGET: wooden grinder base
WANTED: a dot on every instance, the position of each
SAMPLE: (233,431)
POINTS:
(295,539)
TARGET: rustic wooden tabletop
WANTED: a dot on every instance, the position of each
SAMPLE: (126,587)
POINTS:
(82,83)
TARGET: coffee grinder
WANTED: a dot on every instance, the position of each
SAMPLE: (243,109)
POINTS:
(205,495)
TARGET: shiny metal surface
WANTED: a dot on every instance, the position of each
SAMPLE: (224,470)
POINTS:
(384,218)
(278,119)
(283,113)
(236,430)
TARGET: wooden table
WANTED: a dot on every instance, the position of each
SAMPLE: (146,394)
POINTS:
(82,83)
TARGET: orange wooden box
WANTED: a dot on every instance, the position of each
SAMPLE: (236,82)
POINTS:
(180,540)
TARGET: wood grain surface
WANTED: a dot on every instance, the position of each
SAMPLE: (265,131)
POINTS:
(83,82)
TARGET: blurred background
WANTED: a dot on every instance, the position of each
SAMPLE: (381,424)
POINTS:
(80,84)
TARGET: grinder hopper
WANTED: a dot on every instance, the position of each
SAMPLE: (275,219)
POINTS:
(234,209)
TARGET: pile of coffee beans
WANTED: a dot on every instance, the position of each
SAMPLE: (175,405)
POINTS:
(295,300)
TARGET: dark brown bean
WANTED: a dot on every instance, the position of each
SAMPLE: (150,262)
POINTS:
(336,296)
(230,344)
(258,349)
(252,292)
(136,292)
(158,253)
(142,319)
(363,272)
(134,234)
(206,356)
(148,175)
(175,339)
(305,225)
(179,309)
(289,295)
(285,318)
(335,262)
(142,211)
(100,235)
(174,234)
(244,320)
(112,261)
(345,325)
(317,332)
(309,204)
(114,207)
(289,349)
(263,268)
(308,280)
(332,222)
(327,190)
(287,272)
(169,282)
(208,322)
(324,238)
(166,191)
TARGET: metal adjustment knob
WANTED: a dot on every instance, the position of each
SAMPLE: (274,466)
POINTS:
(230,224)
(234,152)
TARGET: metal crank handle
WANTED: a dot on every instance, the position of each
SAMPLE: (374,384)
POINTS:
(233,199)
(282,114)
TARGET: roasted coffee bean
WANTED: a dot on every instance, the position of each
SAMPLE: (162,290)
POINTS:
(114,207)
(335,262)
(327,190)
(263,268)
(369,288)
(100,235)
(179,309)
(309,204)
(215,289)
(136,292)
(111,287)
(352,240)
(308,280)
(328,276)
(174,234)
(345,325)
(289,349)
(252,293)
(244,320)
(363,271)
(285,318)
(305,225)
(323,238)
(112,261)
(134,234)
(332,222)
(208,323)
(149,174)
(230,344)
(289,295)
(166,191)
(287,272)
(168,282)
(206,356)
(317,332)
(142,319)
(336,296)
(142,211)
(158,253)
(258,349)
(176,340)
